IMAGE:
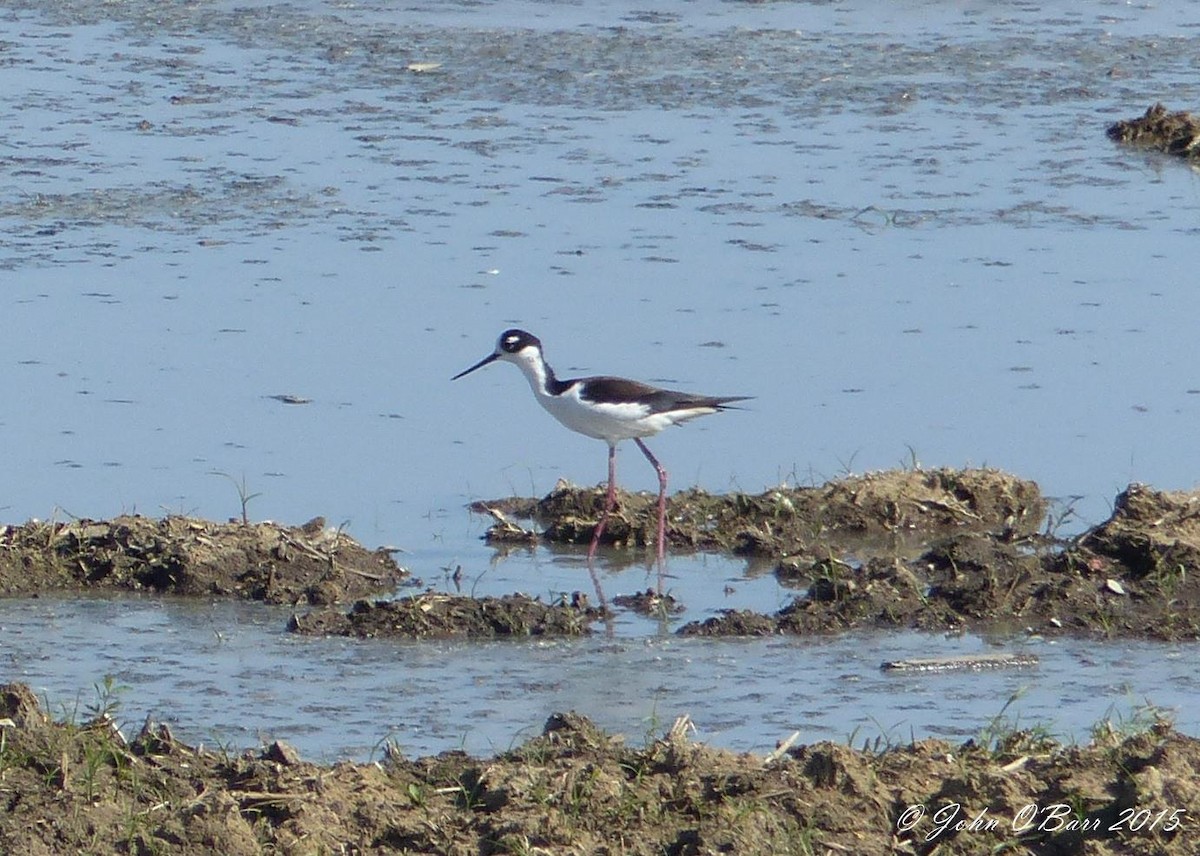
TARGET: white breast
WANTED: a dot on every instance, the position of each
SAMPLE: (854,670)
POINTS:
(609,422)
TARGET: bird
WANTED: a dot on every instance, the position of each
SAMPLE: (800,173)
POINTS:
(606,408)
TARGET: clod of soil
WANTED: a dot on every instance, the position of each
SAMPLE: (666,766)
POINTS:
(1175,133)
(649,602)
(1153,534)
(443,615)
(788,521)
(184,555)
(71,788)
(1136,575)
(733,622)
(1139,571)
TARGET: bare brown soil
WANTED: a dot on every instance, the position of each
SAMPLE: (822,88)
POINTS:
(1176,133)
(786,521)
(308,564)
(82,788)
(942,550)
(433,615)
(936,550)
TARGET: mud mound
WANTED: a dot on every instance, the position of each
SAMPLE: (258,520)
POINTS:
(1175,133)
(966,580)
(444,615)
(649,602)
(787,521)
(1150,532)
(1137,575)
(576,789)
(733,622)
(185,555)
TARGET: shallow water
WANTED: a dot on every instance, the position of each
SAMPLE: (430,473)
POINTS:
(224,674)
(902,229)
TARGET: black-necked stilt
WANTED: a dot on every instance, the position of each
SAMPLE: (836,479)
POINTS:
(611,409)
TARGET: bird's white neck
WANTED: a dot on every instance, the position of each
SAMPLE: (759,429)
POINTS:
(539,374)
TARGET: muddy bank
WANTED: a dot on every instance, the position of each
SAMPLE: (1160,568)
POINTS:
(1176,133)
(785,521)
(81,787)
(941,550)
(1135,575)
(309,564)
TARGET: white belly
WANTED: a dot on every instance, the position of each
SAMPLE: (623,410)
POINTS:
(610,422)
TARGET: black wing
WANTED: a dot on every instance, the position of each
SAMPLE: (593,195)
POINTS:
(619,390)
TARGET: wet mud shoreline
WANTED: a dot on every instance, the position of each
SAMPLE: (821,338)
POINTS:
(951,550)
(83,787)
(937,550)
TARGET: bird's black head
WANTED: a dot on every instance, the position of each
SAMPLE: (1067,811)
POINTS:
(512,341)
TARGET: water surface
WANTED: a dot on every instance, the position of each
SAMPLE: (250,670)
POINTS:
(223,674)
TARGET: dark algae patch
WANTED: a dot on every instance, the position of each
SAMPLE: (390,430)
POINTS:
(82,787)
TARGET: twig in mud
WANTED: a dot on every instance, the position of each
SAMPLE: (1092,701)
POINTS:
(680,729)
(781,749)
(951,509)
(267,798)
(311,552)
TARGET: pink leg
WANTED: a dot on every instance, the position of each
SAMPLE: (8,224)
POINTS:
(609,501)
(662,500)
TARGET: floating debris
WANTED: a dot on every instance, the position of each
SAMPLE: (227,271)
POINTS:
(505,531)
(968,662)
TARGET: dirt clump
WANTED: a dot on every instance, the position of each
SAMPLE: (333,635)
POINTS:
(1151,534)
(435,615)
(82,787)
(649,602)
(938,550)
(733,622)
(1175,133)
(1137,575)
(790,520)
(963,581)
(188,556)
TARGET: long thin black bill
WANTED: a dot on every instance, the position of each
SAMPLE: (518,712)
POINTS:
(488,359)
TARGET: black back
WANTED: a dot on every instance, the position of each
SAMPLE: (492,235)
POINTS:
(619,390)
